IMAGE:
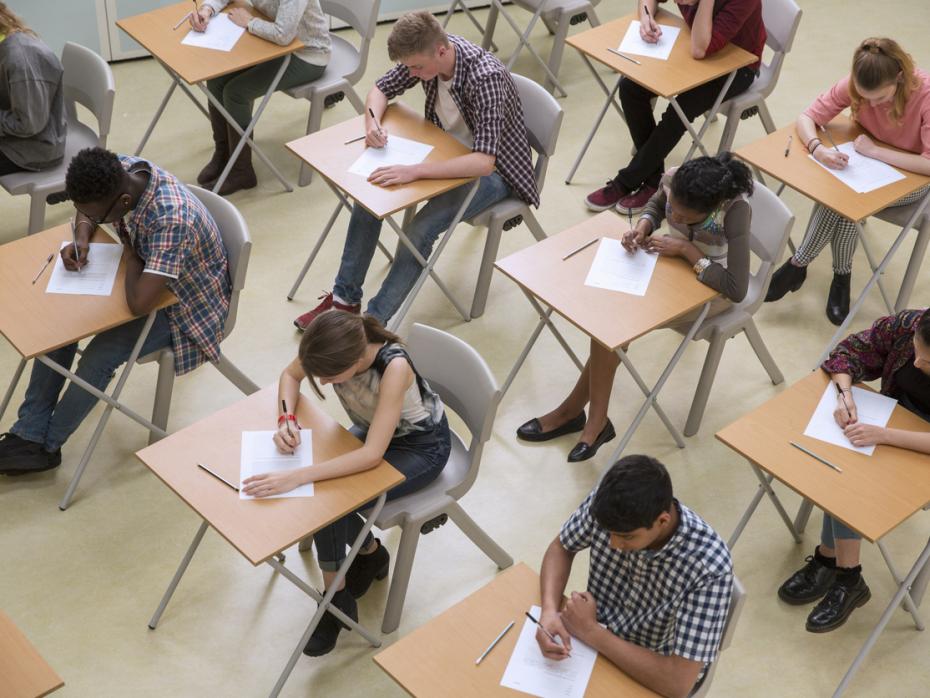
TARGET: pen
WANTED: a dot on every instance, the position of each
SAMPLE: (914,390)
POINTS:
(77,255)
(354,140)
(646,10)
(44,267)
(815,456)
(788,145)
(286,425)
(579,249)
(218,477)
(375,118)
(540,626)
(842,397)
(491,646)
(829,137)
(182,20)
(623,55)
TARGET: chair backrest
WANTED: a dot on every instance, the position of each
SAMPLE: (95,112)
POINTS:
(236,240)
(463,380)
(88,81)
(771,225)
(737,599)
(362,16)
(781,19)
(542,115)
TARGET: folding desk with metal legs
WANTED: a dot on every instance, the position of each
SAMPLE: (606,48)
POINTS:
(468,13)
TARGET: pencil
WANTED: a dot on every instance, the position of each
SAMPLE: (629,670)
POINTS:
(182,20)
(815,456)
(492,645)
(354,140)
(77,255)
(44,267)
(579,249)
(217,476)
(829,138)
(623,55)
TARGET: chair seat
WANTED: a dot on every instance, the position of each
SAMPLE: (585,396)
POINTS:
(343,60)
(433,497)
(154,356)
(557,6)
(505,209)
(79,137)
(898,215)
(760,88)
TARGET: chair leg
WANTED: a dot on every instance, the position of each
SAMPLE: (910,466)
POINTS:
(488,37)
(533,224)
(235,376)
(164,386)
(314,120)
(729,132)
(477,536)
(705,383)
(486,270)
(767,122)
(558,46)
(400,578)
(765,358)
(37,211)
(354,100)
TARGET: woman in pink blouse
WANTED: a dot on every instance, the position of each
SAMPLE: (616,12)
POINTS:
(890,99)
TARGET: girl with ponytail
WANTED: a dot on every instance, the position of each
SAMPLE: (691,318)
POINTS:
(890,99)
(395,414)
(705,204)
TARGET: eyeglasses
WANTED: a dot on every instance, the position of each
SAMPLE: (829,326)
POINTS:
(98,221)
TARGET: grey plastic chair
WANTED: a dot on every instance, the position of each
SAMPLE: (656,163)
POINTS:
(88,81)
(737,600)
(543,118)
(899,215)
(346,65)
(781,19)
(771,225)
(465,383)
(238,244)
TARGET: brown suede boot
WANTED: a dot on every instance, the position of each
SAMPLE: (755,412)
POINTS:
(209,174)
(241,175)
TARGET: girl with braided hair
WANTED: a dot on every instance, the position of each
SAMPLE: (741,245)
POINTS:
(890,99)
(705,204)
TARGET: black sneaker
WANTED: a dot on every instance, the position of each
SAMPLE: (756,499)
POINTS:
(324,637)
(808,584)
(367,568)
(21,457)
(837,605)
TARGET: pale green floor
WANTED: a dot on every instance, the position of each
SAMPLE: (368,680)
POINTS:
(82,584)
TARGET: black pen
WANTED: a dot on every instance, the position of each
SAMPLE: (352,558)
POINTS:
(44,267)
(217,476)
(377,123)
(842,397)
(286,425)
(540,626)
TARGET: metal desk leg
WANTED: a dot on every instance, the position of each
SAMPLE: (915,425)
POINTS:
(182,568)
(524,41)
(803,515)
(17,374)
(471,17)
(175,83)
(765,488)
(868,255)
(913,265)
(909,605)
(325,601)
(611,101)
(316,249)
(696,137)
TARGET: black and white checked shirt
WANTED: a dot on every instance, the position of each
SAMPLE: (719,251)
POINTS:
(671,601)
(486,96)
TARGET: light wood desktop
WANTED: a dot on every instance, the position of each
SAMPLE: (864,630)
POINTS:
(540,270)
(260,529)
(326,151)
(154,31)
(439,657)
(36,322)
(678,74)
(23,672)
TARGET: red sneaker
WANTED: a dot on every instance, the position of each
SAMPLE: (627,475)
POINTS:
(607,196)
(636,202)
(328,303)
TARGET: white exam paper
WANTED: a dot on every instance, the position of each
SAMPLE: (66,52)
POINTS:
(398,151)
(95,279)
(615,269)
(862,174)
(260,455)
(221,34)
(633,42)
(871,408)
(530,672)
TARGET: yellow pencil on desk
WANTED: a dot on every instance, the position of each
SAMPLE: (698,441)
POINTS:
(579,249)
(354,140)
(623,55)
(815,456)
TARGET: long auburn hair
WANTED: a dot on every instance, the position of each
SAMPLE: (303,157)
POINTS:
(878,62)
(10,23)
(335,340)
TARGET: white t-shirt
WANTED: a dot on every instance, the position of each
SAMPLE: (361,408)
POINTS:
(450,116)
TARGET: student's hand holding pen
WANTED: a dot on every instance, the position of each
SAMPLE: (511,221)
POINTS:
(376,135)
(550,622)
(287,437)
(81,237)
(200,18)
(633,239)
(649,30)
(834,159)
(845,412)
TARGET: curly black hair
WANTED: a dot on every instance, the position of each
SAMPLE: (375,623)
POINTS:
(632,494)
(94,174)
(702,184)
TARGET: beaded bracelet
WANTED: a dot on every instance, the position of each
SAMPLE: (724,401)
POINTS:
(819,143)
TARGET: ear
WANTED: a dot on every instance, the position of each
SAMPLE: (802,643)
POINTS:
(663,519)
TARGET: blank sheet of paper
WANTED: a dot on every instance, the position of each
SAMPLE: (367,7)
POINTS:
(221,34)
(871,408)
(95,279)
(260,455)
(530,672)
(615,269)
(862,174)
(398,151)
(633,42)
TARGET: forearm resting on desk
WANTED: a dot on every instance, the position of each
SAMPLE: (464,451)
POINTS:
(474,164)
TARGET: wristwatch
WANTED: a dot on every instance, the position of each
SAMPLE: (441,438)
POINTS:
(701,265)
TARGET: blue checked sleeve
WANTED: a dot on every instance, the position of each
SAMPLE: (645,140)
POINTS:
(701,619)
(578,532)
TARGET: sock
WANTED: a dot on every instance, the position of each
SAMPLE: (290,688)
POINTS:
(337,299)
(848,576)
(829,562)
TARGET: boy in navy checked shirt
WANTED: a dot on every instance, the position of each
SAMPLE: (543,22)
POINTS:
(660,581)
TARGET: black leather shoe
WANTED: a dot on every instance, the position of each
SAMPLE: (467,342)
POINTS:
(808,584)
(21,457)
(836,606)
(367,568)
(324,637)
(583,451)
(787,277)
(838,300)
(532,430)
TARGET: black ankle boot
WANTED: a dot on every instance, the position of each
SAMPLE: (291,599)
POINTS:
(787,277)
(367,568)
(324,637)
(838,299)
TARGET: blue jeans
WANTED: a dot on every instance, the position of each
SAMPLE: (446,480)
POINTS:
(45,419)
(420,456)
(430,221)
(833,529)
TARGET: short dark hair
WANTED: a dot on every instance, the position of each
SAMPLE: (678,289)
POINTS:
(94,174)
(632,494)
